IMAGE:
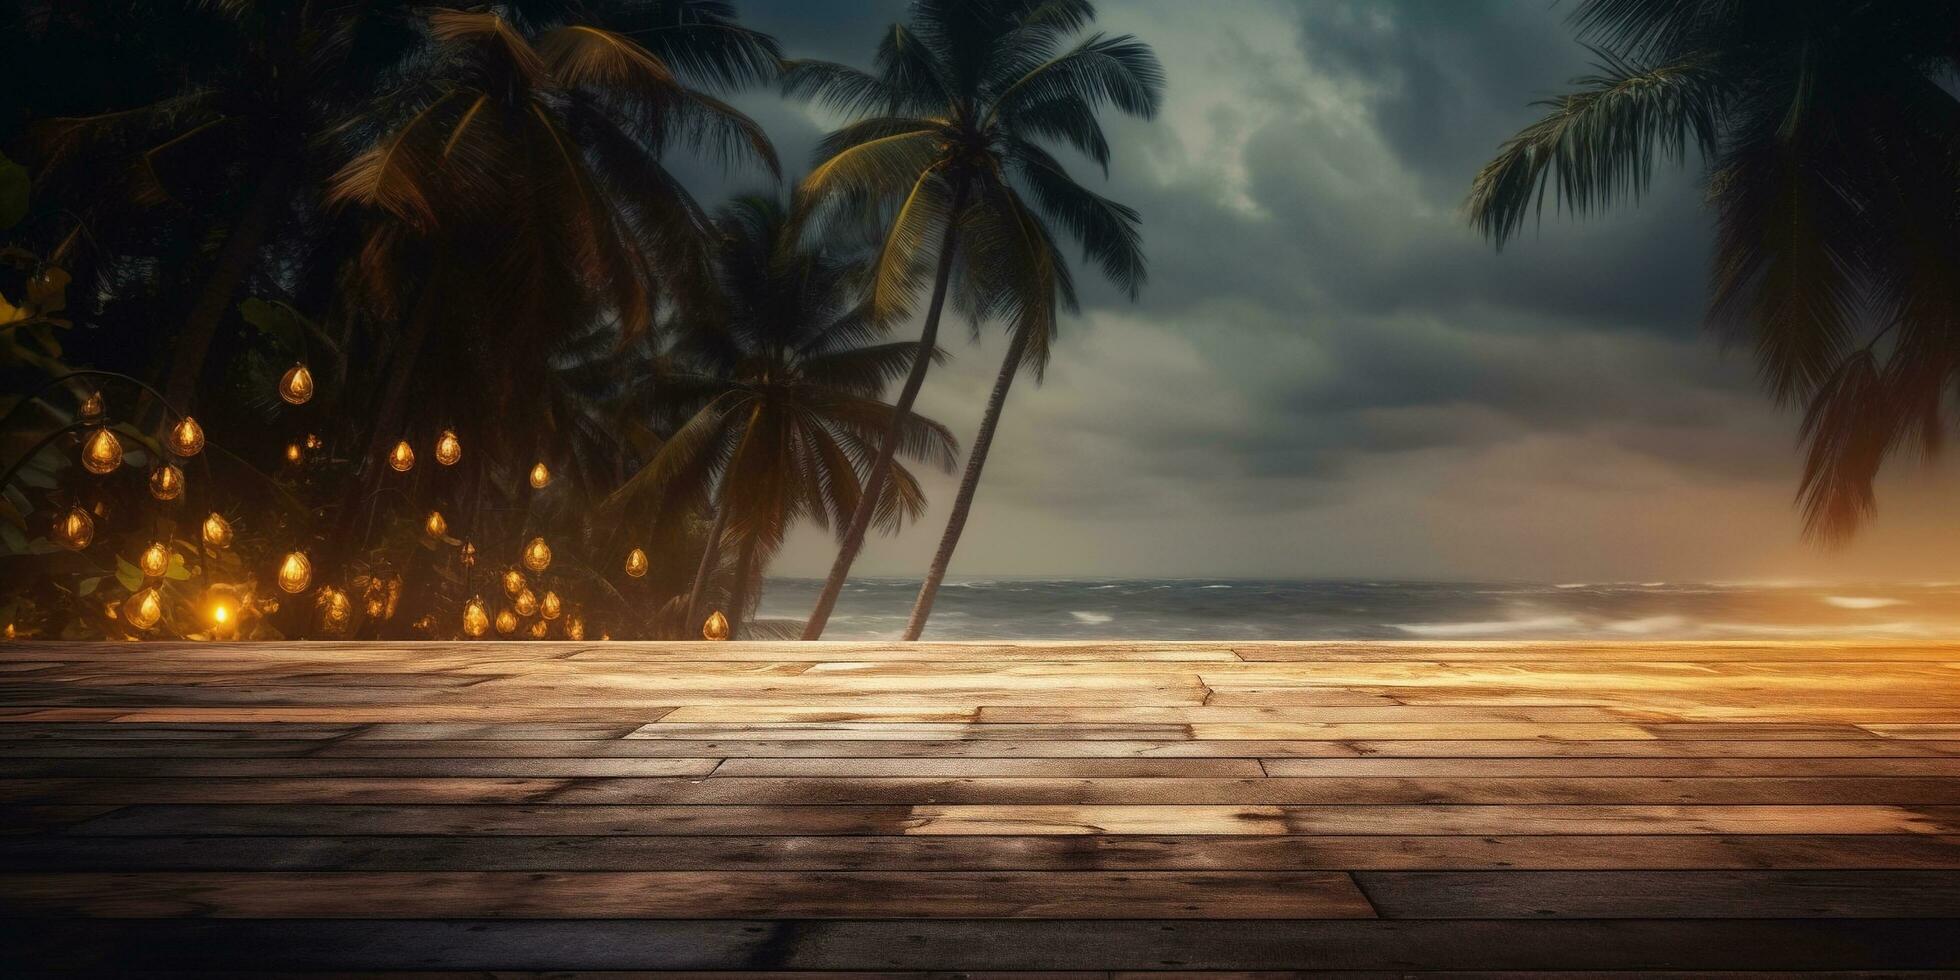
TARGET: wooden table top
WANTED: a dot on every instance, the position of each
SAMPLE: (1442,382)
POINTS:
(1050,809)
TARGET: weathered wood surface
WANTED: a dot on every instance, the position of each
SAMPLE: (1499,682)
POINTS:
(1023,809)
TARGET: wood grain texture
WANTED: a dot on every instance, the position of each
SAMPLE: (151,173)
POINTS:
(1013,809)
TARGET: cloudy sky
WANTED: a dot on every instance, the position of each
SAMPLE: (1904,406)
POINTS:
(1329,374)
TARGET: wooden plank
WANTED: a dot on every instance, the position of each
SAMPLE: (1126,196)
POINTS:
(432,852)
(1947,767)
(1700,894)
(316,768)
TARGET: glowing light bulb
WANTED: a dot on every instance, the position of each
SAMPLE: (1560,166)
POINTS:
(539,630)
(166,482)
(336,610)
(154,561)
(506,621)
(73,530)
(186,437)
(540,477)
(467,556)
(401,459)
(93,408)
(574,627)
(549,606)
(526,603)
(296,385)
(295,573)
(513,582)
(436,526)
(636,563)
(537,555)
(143,608)
(449,449)
(293,454)
(313,442)
(221,614)
(716,628)
(476,621)
(217,532)
(102,452)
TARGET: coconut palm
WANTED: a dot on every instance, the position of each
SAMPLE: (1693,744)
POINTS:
(785,389)
(945,148)
(1829,140)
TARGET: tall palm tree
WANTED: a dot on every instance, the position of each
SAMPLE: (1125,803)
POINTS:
(946,138)
(785,387)
(1830,144)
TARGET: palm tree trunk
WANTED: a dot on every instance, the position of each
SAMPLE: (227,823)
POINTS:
(389,416)
(874,483)
(738,605)
(976,459)
(710,555)
(233,263)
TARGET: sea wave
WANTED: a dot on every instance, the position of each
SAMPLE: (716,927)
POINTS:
(1091,618)
(1495,626)
(1861,602)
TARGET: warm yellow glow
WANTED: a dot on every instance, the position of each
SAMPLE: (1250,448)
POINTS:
(537,555)
(336,610)
(220,613)
(467,555)
(143,608)
(295,573)
(526,603)
(476,621)
(540,477)
(93,408)
(513,582)
(436,526)
(296,385)
(716,628)
(292,452)
(313,441)
(636,563)
(73,530)
(102,452)
(154,561)
(217,532)
(539,630)
(506,621)
(401,459)
(186,437)
(111,610)
(549,606)
(166,482)
(574,627)
(449,449)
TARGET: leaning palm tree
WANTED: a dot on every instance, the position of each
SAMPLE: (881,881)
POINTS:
(1830,139)
(785,389)
(946,151)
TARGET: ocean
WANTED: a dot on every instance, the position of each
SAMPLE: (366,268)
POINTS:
(1244,609)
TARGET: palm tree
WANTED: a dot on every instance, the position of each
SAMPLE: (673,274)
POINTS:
(784,387)
(1829,140)
(946,134)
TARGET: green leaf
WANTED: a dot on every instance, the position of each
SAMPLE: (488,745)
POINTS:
(13,192)
(87,585)
(178,571)
(129,575)
(277,320)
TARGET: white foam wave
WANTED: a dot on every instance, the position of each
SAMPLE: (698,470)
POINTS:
(1091,618)
(1861,602)
(1649,625)
(1496,626)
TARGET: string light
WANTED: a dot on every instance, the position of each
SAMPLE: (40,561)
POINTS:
(224,613)
(102,452)
(217,532)
(336,610)
(401,459)
(540,477)
(154,561)
(506,621)
(186,437)
(143,608)
(93,408)
(166,482)
(550,605)
(716,628)
(296,385)
(73,530)
(636,563)
(574,627)
(295,573)
(526,603)
(537,555)
(436,526)
(449,449)
(313,442)
(539,630)
(467,556)
(292,453)
(513,582)
(476,621)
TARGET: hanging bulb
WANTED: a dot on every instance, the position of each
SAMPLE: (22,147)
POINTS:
(550,605)
(313,442)
(293,454)
(539,630)
(93,408)
(540,477)
(217,532)
(336,610)
(166,482)
(186,437)
(537,555)
(435,525)
(716,628)
(392,590)
(526,603)
(295,573)
(636,563)
(102,452)
(143,608)
(574,627)
(513,582)
(476,621)
(506,621)
(224,614)
(467,556)
(73,530)
(296,385)
(154,561)
(401,459)
(449,449)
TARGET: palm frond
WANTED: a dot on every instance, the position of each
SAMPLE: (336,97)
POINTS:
(1108,231)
